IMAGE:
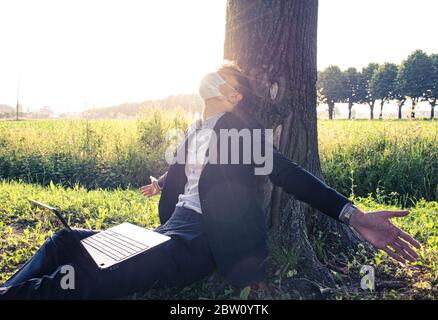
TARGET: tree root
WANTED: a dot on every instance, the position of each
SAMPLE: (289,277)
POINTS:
(309,265)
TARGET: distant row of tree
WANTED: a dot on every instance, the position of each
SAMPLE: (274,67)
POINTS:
(190,103)
(416,78)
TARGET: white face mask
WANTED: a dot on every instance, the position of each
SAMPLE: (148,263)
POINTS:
(209,86)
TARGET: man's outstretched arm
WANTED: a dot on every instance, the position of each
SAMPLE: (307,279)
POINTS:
(375,227)
(305,186)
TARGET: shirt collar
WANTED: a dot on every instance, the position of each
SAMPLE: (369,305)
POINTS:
(209,122)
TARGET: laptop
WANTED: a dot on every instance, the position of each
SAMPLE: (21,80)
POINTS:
(110,247)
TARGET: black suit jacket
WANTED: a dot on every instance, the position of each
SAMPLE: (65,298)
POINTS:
(233,217)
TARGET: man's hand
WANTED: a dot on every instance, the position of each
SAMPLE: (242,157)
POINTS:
(151,189)
(377,229)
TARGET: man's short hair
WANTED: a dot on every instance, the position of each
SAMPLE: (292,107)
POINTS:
(231,67)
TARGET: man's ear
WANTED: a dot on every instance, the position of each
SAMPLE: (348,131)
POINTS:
(236,97)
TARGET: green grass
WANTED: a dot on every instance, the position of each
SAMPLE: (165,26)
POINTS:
(99,153)
(395,156)
(23,229)
(357,157)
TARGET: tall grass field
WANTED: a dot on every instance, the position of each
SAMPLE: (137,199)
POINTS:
(91,169)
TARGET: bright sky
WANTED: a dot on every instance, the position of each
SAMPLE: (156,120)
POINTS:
(71,55)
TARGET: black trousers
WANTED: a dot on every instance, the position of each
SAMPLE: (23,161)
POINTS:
(180,261)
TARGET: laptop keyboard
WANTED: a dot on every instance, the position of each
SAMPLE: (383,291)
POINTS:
(114,245)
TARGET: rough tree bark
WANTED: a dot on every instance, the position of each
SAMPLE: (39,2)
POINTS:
(275,44)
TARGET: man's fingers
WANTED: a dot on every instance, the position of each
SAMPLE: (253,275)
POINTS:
(149,188)
(407,237)
(401,252)
(406,247)
(393,255)
(149,191)
(146,187)
(396,213)
(146,190)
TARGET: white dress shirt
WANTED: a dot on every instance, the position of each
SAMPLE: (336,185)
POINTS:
(199,135)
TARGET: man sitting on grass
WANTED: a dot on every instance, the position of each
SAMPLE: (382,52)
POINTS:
(211,212)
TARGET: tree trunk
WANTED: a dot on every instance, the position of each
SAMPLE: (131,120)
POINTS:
(331,108)
(432,110)
(381,109)
(350,106)
(371,104)
(274,42)
(400,106)
(414,104)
